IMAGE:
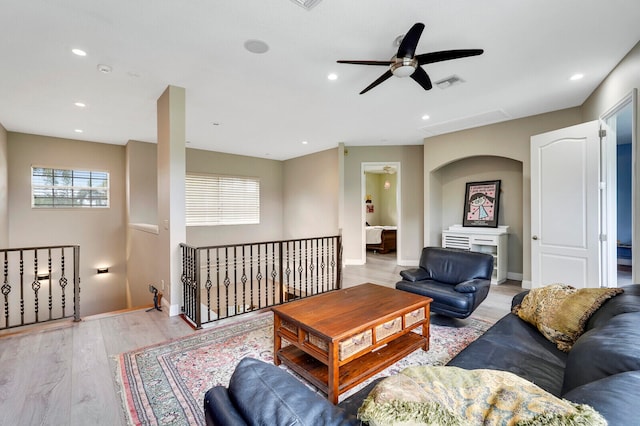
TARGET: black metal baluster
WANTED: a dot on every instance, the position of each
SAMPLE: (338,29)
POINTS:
(208,285)
(21,287)
(63,283)
(6,289)
(50,286)
(243,280)
(259,278)
(226,282)
(35,285)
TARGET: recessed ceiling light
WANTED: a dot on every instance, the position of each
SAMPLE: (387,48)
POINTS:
(332,76)
(425,117)
(105,69)
(79,52)
(78,130)
(576,77)
(304,142)
(256,46)
(80,104)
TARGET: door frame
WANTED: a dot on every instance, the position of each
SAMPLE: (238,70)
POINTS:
(609,177)
(364,166)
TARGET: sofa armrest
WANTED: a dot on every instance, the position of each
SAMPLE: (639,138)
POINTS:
(414,275)
(218,408)
(471,286)
(264,394)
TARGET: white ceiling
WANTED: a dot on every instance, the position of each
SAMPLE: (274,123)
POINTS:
(265,105)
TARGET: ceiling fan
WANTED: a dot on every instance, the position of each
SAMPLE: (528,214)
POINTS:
(406,63)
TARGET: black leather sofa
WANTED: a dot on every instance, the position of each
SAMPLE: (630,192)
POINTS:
(602,370)
(457,280)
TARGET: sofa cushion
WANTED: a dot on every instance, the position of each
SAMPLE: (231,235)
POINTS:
(604,351)
(561,311)
(454,396)
(516,346)
(267,395)
(629,301)
(615,397)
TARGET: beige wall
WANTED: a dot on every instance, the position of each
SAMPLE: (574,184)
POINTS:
(310,195)
(4,188)
(453,179)
(509,140)
(388,200)
(270,173)
(385,211)
(373,186)
(142,188)
(411,222)
(142,232)
(621,82)
(99,232)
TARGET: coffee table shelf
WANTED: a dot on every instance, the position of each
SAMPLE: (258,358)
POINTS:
(355,371)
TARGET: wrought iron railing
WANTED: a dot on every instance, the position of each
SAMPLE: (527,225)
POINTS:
(223,281)
(37,284)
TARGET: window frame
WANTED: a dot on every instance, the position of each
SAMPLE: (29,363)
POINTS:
(72,202)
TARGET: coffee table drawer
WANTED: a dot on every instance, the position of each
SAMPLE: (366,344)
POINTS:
(355,344)
(414,317)
(388,328)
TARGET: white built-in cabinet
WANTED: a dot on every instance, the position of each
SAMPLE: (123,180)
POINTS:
(485,240)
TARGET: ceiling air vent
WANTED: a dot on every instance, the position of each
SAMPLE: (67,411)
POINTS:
(449,81)
(307,4)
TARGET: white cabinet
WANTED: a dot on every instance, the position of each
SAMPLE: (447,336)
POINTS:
(484,240)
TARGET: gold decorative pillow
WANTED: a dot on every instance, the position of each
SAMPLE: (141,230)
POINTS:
(560,311)
(427,395)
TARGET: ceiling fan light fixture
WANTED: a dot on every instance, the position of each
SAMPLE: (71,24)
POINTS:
(404,67)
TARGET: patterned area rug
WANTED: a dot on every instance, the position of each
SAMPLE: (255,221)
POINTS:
(165,384)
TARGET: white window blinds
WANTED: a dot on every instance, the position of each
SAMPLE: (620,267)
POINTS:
(221,200)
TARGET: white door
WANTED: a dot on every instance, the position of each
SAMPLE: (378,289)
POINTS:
(565,207)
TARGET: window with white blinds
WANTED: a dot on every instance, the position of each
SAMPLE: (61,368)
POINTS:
(221,200)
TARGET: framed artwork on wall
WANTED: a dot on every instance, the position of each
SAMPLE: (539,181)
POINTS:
(481,201)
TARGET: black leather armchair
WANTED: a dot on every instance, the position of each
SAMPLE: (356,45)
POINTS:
(457,280)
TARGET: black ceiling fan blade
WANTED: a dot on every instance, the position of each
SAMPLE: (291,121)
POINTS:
(380,79)
(409,42)
(446,55)
(387,63)
(421,77)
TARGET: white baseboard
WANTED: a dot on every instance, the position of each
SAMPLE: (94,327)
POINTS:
(172,310)
(526,285)
(354,262)
(516,276)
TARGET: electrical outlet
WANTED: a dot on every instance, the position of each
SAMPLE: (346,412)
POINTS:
(162,284)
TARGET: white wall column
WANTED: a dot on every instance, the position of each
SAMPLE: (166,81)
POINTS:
(171,193)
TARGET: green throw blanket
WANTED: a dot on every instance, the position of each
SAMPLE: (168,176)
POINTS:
(428,395)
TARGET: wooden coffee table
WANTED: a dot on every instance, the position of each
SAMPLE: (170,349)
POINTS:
(341,338)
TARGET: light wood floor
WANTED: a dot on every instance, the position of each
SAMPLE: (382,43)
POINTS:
(64,373)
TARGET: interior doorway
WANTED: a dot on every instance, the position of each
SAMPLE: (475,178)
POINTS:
(618,156)
(381,195)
